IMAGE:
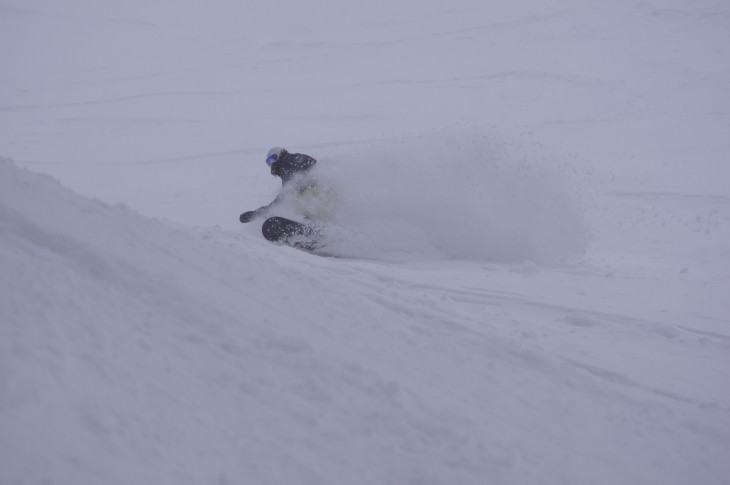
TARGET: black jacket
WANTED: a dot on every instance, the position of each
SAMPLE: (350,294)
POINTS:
(287,168)
(291,164)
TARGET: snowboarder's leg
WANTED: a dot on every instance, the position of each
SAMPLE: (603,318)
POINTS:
(280,229)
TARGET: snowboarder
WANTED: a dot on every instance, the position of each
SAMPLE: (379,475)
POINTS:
(292,168)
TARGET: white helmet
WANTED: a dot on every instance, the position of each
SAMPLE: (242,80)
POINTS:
(273,155)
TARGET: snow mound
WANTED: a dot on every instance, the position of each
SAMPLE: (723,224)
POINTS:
(455,194)
(133,352)
(119,336)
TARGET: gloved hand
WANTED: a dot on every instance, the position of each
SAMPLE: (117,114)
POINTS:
(247,216)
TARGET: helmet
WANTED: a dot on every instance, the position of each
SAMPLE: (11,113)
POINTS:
(273,155)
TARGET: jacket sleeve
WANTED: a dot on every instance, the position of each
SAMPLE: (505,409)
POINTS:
(261,211)
(304,162)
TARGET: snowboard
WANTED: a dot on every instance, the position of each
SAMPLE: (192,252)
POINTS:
(295,234)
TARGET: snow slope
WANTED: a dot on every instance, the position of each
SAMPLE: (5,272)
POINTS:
(534,209)
(138,353)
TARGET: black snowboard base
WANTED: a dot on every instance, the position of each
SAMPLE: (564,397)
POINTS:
(291,233)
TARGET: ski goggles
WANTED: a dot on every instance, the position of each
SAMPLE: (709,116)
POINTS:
(272,159)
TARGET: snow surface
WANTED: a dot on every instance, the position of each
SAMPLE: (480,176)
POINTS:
(532,219)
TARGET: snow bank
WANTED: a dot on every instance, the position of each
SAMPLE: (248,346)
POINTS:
(131,352)
(463,194)
(107,368)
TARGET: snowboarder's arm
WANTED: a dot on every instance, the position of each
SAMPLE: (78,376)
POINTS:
(251,215)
